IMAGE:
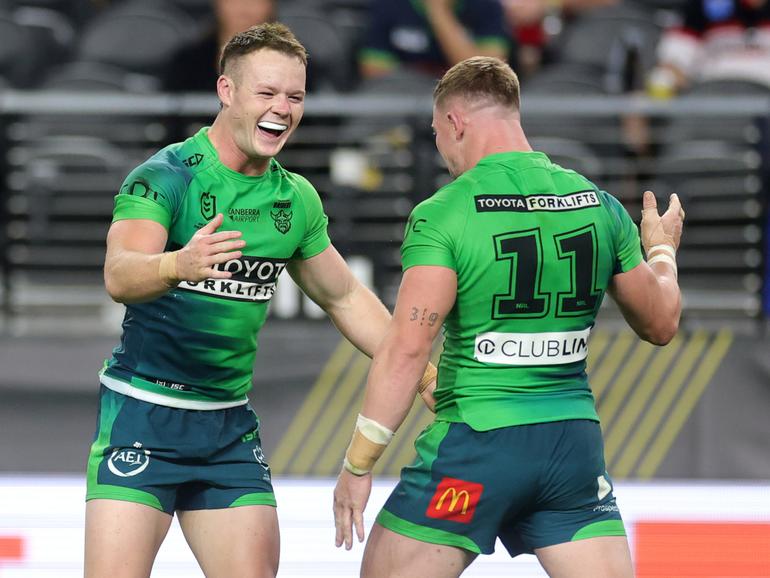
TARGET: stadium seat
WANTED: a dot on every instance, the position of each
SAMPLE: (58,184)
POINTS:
(50,28)
(565,78)
(331,65)
(19,72)
(619,40)
(138,36)
(100,77)
(60,202)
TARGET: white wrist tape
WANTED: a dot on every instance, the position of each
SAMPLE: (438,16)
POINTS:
(369,441)
(665,248)
(663,258)
(375,432)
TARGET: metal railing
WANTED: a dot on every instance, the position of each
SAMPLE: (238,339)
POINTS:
(372,158)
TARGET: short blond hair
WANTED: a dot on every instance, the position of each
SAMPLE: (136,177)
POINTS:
(480,78)
(268,36)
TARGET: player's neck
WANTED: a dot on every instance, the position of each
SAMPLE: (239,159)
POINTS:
(502,138)
(232,156)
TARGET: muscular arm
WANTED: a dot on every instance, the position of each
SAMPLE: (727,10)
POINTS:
(426,296)
(132,266)
(455,42)
(648,295)
(357,312)
(650,300)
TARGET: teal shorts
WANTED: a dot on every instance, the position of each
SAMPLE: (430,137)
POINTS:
(530,485)
(177,459)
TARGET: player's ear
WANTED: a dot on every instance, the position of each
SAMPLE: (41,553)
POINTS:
(225,89)
(456,121)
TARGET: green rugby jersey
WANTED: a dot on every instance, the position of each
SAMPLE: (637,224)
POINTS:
(195,346)
(534,247)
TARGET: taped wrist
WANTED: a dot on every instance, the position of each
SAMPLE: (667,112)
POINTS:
(167,270)
(430,374)
(662,253)
(369,441)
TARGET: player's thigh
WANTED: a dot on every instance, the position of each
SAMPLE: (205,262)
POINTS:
(122,538)
(241,541)
(601,557)
(392,555)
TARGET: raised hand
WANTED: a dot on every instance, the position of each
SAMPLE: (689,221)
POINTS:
(661,230)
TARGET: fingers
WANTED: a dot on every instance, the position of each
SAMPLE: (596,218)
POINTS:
(340,533)
(675,205)
(358,523)
(212,225)
(342,524)
(649,201)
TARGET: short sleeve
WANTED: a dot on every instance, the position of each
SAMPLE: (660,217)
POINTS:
(427,238)
(316,237)
(628,252)
(150,191)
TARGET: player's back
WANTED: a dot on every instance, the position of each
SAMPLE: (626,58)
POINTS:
(534,247)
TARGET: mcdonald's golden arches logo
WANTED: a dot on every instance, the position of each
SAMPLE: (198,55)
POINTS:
(455,500)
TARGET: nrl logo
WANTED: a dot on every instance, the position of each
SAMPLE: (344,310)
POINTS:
(208,205)
(281,215)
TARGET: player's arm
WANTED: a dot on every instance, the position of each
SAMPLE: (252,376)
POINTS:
(426,296)
(136,268)
(353,308)
(648,295)
(455,41)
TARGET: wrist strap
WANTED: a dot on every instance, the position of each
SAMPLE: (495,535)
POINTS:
(663,258)
(370,439)
(663,247)
(167,269)
(430,374)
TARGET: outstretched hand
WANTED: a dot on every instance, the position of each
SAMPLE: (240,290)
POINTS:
(207,248)
(350,497)
(663,229)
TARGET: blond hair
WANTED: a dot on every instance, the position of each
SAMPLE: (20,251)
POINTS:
(480,78)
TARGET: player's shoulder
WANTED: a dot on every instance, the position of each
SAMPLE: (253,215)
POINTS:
(299,184)
(165,169)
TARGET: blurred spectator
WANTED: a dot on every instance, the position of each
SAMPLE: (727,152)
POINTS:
(195,68)
(533,22)
(429,36)
(717,39)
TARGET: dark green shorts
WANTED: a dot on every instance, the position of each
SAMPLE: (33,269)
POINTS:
(177,459)
(531,485)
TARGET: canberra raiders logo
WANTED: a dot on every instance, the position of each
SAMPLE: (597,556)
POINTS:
(281,214)
(208,205)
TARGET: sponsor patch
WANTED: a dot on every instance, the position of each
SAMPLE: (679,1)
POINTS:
(254,279)
(129,462)
(531,348)
(530,203)
(455,500)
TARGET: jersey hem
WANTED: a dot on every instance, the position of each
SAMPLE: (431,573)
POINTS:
(129,390)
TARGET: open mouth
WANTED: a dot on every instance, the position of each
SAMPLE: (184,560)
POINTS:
(273,129)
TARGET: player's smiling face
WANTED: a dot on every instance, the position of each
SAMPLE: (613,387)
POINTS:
(267,102)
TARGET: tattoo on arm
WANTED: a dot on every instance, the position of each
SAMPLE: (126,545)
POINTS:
(423,317)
